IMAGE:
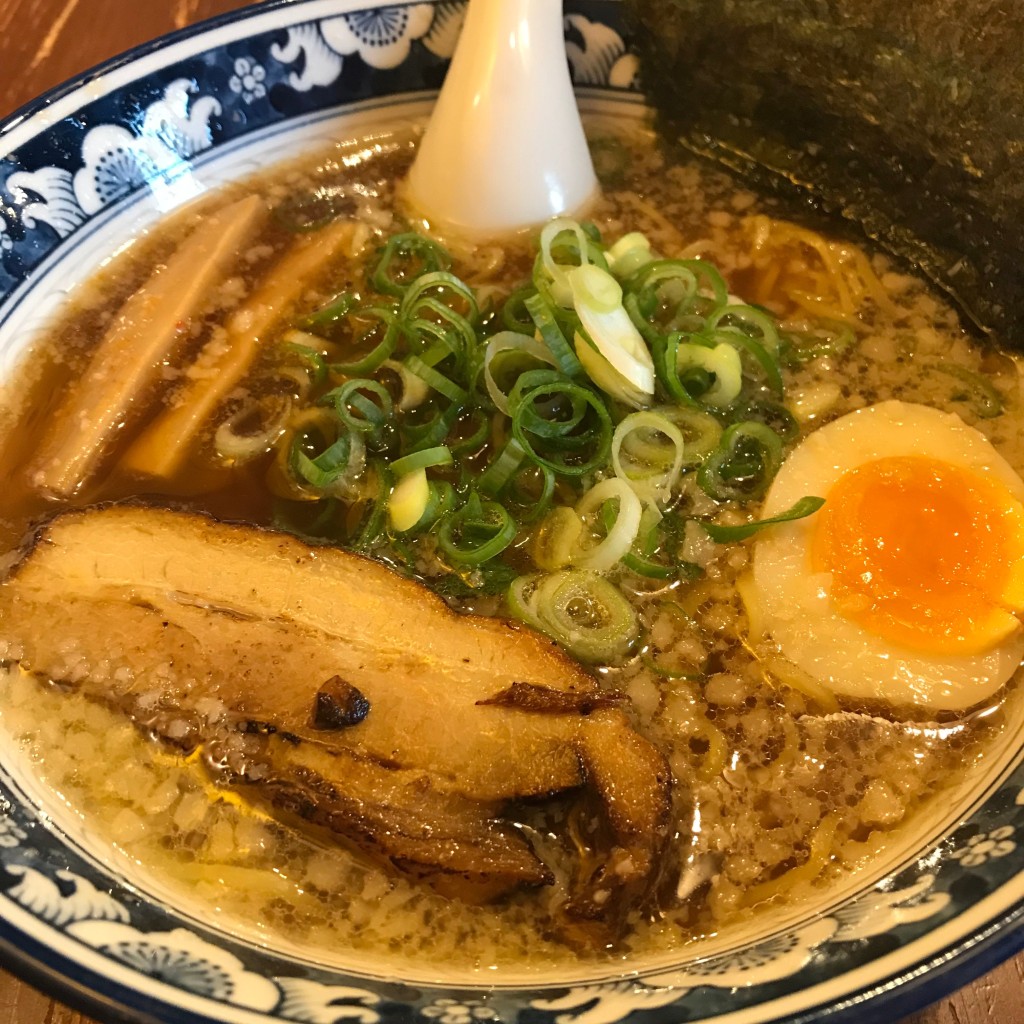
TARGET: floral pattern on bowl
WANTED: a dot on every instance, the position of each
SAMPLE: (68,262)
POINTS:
(270,66)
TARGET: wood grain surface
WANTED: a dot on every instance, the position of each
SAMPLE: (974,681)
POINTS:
(43,42)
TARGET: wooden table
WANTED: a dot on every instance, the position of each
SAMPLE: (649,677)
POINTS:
(43,42)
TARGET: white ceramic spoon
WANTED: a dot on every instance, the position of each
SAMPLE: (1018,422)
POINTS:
(504,148)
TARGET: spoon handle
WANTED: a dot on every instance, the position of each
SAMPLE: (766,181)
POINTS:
(504,148)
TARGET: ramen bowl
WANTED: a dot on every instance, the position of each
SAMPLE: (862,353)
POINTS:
(82,171)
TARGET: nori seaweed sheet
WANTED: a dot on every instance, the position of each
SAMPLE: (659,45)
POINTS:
(905,116)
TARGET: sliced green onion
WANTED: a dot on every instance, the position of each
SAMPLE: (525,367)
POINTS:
(502,468)
(606,377)
(557,538)
(409,500)
(267,416)
(441,282)
(470,432)
(726,534)
(477,532)
(325,468)
(557,273)
(404,258)
(514,314)
(744,319)
(641,564)
(492,579)
(356,410)
(333,469)
(438,323)
(327,316)
(433,432)
(522,602)
(565,446)
(373,526)
(701,431)
(656,275)
(435,380)
(594,288)
(681,286)
(296,343)
(650,468)
(629,254)
(744,464)
(426,459)
(669,673)
(552,336)
(300,378)
(637,560)
(773,415)
(581,610)
(383,324)
(723,365)
(648,569)
(650,323)
(517,348)
(415,390)
(665,355)
(623,532)
(440,504)
(532,504)
(764,358)
(597,299)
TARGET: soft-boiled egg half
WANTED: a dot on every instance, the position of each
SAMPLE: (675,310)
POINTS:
(906,586)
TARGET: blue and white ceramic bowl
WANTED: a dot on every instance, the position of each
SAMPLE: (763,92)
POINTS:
(84,168)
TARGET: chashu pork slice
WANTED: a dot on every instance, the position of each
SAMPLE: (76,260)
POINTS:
(182,621)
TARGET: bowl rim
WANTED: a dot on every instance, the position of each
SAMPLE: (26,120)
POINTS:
(61,90)
(907,990)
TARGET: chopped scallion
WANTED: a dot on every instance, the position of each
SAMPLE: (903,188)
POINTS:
(728,534)
(425,459)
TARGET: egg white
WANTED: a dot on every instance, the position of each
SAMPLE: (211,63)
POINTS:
(795,602)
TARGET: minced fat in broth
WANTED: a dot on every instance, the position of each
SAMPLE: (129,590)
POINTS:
(765,776)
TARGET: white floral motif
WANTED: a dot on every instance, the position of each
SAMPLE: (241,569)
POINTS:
(56,204)
(314,1003)
(603,58)
(80,901)
(320,64)
(382,37)
(180,119)
(444,32)
(607,1004)
(452,1011)
(878,911)
(182,960)
(248,79)
(986,846)
(758,964)
(117,161)
(761,963)
(11,835)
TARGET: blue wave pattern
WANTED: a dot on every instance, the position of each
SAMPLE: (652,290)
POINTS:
(145,133)
(143,136)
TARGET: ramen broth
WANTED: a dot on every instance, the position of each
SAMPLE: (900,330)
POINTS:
(780,795)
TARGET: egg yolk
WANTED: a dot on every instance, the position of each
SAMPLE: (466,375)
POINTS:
(923,553)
